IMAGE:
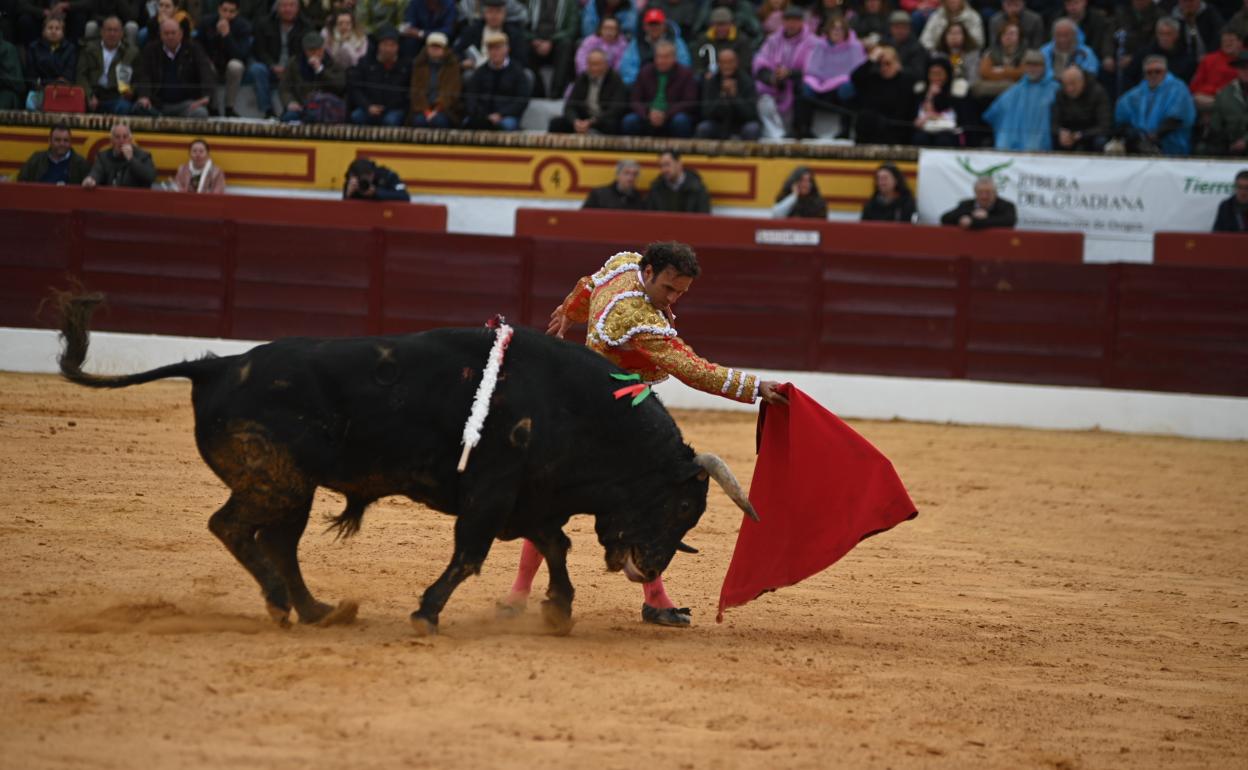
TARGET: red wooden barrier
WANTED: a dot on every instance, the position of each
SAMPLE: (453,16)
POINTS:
(452,280)
(883,238)
(1207,249)
(901,316)
(239,208)
(801,308)
(1181,328)
(887,238)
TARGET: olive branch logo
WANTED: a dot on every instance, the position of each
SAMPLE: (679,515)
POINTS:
(965,163)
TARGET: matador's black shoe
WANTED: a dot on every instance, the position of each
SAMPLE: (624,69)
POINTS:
(668,616)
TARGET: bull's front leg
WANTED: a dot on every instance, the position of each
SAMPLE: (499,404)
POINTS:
(473,539)
(557,608)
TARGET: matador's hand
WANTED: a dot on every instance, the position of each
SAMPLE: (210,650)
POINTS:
(559,323)
(767,389)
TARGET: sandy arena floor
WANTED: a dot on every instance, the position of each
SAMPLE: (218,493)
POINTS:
(1064,600)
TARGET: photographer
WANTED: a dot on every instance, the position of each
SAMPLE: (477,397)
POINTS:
(368,181)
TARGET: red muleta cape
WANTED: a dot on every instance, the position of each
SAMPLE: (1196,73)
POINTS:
(819,489)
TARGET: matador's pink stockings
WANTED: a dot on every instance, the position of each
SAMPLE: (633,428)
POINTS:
(531,560)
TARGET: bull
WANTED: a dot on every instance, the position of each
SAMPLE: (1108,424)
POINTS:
(377,416)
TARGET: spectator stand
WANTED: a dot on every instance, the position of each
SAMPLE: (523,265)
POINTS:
(435,162)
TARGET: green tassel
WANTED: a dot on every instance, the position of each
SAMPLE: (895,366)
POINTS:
(626,377)
(641,396)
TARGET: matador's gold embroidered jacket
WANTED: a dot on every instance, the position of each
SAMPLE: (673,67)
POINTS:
(638,337)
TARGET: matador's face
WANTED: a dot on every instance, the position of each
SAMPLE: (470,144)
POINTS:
(666,287)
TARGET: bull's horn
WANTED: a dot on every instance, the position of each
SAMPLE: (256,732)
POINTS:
(718,470)
(684,548)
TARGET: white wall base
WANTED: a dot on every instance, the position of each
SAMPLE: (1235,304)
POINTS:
(854,396)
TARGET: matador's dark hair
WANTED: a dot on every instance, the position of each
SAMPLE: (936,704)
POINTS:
(661,255)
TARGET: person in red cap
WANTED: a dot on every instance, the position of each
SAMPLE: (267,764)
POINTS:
(685,14)
(655,26)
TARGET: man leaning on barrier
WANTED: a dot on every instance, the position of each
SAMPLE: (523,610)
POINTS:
(984,211)
(123,164)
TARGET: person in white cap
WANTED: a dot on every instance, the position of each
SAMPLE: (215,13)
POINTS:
(436,95)
(498,91)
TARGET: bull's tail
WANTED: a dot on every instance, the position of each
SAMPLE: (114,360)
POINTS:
(347,523)
(75,335)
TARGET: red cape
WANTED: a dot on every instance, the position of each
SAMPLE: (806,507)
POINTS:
(819,488)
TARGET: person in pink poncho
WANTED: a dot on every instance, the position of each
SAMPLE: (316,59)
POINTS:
(778,70)
(608,40)
(832,59)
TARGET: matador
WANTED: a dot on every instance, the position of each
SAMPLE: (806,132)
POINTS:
(628,308)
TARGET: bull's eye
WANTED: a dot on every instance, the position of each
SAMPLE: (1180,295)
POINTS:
(685,506)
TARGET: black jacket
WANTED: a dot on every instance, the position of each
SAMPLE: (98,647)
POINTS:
(37,165)
(517,41)
(1002,214)
(1097,33)
(610,197)
(1091,113)
(1179,62)
(690,197)
(1208,27)
(900,210)
(613,102)
(505,91)
(1228,219)
(388,186)
(220,50)
(913,57)
(195,75)
(369,82)
(891,103)
(126,10)
(267,47)
(730,113)
(112,170)
(45,66)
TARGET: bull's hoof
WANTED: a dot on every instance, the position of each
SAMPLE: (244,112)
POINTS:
(558,619)
(314,613)
(509,609)
(280,615)
(423,626)
(342,615)
(668,616)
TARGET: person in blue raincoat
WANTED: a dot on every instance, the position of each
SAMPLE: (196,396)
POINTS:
(655,26)
(1157,115)
(1020,116)
(1067,48)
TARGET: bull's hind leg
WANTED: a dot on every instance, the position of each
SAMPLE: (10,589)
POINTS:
(557,608)
(237,532)
(280,543)
(473,537)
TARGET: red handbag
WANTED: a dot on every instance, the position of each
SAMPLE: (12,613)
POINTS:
(64,98)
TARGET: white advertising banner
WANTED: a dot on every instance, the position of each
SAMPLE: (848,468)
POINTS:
(1118,203)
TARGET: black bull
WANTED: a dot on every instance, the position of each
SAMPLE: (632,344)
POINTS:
(377,416)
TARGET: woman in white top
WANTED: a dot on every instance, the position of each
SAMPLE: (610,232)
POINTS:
(343,42)
(199,175)
(949,12)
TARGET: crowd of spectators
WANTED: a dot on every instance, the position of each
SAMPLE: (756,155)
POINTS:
(1168,77)
(676,189)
